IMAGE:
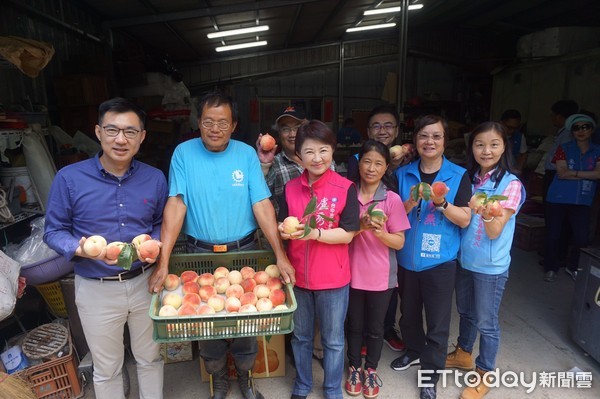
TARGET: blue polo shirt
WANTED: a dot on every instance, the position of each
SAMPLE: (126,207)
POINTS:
(87,200)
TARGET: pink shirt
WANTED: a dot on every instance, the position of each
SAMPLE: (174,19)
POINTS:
(373,265)
(512,191)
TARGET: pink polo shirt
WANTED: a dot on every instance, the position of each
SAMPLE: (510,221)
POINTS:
(373,265)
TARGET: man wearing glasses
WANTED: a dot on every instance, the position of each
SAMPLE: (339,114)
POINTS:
(118,198)
(218,197)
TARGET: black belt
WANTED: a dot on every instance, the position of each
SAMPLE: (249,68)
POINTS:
(221,247)
(127,275)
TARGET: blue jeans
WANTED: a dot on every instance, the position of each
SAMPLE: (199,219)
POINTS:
(329,307)
(478,298)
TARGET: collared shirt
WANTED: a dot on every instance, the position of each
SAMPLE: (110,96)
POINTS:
(512,191)
(87,200)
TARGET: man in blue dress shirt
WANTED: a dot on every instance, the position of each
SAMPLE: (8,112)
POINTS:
(118,198)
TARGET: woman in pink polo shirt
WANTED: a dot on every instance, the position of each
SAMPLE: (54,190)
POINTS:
(373,267)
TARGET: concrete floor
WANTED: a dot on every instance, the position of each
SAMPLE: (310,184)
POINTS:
(534,319)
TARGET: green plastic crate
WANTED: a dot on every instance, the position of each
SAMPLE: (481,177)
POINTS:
(226,325)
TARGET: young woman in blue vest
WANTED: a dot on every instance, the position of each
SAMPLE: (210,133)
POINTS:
(485,253)
(571,193)
(428,259)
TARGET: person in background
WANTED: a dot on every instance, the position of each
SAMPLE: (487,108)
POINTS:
(373,267)
(383,127)
(485,254)
(571,194)
(560,111)
(348,133)
(511,120)
(118,198)
(428,259)
(218,197)
(320,257)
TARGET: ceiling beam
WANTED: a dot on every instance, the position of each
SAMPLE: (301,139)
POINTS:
(204,12)
(338,7)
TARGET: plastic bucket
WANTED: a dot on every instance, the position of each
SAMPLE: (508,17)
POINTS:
(19,178)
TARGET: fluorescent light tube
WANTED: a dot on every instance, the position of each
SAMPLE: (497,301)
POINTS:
(388,10)
(241,46)
(235,32)
(369,27)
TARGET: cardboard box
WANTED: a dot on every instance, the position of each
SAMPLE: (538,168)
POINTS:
(270,347)
(174,352)
(530,233)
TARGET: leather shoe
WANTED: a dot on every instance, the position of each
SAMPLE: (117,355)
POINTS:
(428,393)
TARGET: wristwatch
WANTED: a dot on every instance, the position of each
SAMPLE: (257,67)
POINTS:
(442,207)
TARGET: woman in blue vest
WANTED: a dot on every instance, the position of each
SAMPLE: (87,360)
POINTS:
(571,193)
(428,259)
(485,253)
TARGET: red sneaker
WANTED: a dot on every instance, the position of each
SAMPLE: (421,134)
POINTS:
(393,341)
(363,351)
(353,382)
(371,383)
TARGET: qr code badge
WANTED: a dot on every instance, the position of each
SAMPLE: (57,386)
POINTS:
(431,242)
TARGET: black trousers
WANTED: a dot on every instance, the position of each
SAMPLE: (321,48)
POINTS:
(430,290)
(366,312)
(577,217)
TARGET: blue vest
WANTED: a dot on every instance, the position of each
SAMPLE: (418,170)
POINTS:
(516,144)
(580,191)
(477,252)
(432,238)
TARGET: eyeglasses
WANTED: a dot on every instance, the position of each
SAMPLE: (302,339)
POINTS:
(585,126)
(221,125)
(288,130)
(425,137)
(112,131)
(388,127)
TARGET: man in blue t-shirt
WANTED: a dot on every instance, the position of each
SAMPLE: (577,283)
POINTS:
(218,197)
(511,120)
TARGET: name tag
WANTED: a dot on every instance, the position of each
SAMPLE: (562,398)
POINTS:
(219,248)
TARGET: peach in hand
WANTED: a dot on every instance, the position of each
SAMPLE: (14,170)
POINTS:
(94,245)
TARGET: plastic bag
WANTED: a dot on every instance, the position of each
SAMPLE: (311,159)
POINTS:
(9,277)
(33,249)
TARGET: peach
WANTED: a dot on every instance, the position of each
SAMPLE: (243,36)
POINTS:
(272,271)
(205,309)
(190,288)
(235,290)
(167,310)
(232,304)
(217,302)
(221,271)
(247,272)
(261,277)
(261,291)
(113,250)
(273,283)
(248,308)
(277,296)
(206,279)
(171,282)
(397,151)
(439,189)
(206,291)
(172,299)
(191,299)
(186,310)
(139,239)
(280,307)
(495,209)
(222,284)
(188,275)
(248,285)
(264,305)
(149,249)
(235,277)
(290,224)
(248,297)
(267,142)
(94,245)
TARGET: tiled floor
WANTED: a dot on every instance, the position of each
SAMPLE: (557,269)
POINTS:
(534,318)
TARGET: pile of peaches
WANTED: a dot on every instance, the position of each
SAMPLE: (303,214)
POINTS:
(224,291)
